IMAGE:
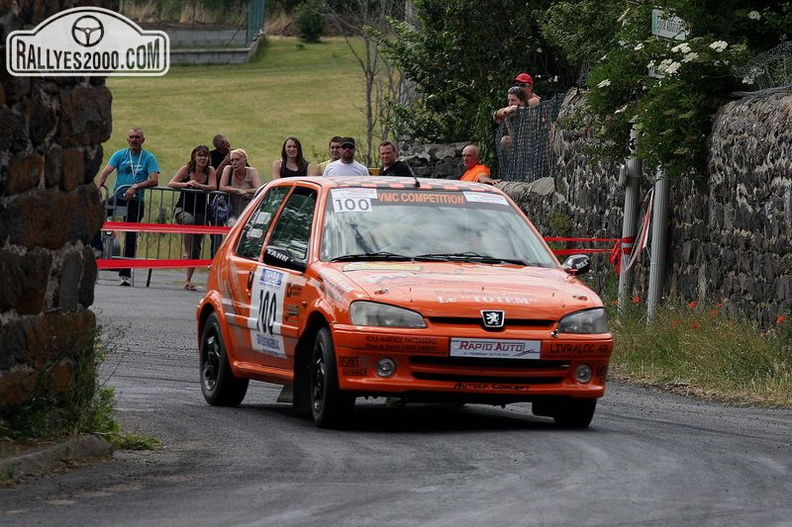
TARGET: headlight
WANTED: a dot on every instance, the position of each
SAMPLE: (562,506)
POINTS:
(589,321)
(373,314)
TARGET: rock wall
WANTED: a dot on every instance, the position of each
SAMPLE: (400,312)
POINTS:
(51,131)
(729,235)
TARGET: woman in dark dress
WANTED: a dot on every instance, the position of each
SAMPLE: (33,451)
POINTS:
(292,163)
(195,179)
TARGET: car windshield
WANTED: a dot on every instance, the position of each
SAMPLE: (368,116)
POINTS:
(407,224)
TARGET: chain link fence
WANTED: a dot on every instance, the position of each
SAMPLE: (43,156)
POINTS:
(768,72)
(524,142)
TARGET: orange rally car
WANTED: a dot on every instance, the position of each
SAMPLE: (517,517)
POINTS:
(424,290)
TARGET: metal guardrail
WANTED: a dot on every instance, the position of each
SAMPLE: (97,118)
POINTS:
(150,225)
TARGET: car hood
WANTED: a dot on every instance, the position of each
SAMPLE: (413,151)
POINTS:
(463,289)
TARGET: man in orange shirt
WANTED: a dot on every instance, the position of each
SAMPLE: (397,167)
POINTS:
(477,172)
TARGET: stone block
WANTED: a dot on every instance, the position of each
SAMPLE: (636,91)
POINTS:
(12,130)
(92,162)
(67,293)
(13,343)
(53,172)
(15,88)
(85,115)
(24,173)
(42,117)
(73,166)
(86,215)
(57,336)
(16,387)
(23,281)
(88,278)
(41,219)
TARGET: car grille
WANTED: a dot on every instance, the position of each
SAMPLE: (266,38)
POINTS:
(477,322)
(464,369)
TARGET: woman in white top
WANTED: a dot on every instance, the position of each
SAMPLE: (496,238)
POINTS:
(240,182)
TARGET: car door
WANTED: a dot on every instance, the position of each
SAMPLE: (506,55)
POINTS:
(277,310)
(243,262)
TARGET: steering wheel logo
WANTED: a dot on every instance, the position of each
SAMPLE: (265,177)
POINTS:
(87,31)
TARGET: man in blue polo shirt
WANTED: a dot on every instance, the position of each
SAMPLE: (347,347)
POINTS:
(137,170)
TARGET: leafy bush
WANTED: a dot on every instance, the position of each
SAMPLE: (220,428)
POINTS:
(669,89)
(311,20)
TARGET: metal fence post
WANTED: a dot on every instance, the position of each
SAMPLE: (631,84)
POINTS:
(632,173)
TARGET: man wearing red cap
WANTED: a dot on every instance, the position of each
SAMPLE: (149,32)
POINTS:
(525,82)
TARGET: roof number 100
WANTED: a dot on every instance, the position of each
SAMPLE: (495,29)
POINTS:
(352,205)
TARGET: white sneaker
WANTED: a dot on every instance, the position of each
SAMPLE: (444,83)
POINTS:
(125,281)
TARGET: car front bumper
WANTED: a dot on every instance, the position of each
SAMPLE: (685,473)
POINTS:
(425,369)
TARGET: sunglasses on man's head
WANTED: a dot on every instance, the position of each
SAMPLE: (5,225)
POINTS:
(347,147)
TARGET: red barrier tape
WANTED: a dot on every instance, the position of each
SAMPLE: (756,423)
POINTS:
(579,251)
(135,263)
(163,227)
(560,239)
(147,263)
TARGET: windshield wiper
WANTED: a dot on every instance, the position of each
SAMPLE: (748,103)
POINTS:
(468,256)
(379,255)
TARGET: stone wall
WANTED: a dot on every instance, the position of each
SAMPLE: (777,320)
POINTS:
(51,131)
(729,236)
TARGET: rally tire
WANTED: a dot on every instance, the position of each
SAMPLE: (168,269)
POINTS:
(219,385)
(330,407)
(568,413)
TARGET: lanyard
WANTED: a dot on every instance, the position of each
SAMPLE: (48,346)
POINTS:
(135,168)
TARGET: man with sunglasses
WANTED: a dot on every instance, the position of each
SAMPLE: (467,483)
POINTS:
(346,166)
(525,82)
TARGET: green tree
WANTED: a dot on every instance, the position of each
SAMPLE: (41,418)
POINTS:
(461,56)
(669,89)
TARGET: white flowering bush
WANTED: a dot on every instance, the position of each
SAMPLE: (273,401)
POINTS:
(669,89)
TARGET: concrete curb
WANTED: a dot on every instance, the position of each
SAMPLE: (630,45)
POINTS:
(54,456)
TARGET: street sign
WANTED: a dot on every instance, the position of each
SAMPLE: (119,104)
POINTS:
(668,26)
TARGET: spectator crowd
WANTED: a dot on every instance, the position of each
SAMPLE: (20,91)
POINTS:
(215,185)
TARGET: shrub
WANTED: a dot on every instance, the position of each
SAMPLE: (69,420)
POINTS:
(669,89)
(311,20)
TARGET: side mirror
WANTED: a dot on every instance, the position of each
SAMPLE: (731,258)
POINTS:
(577,264)
(280,257)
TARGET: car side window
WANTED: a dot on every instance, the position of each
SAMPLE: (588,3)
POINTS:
(293,228)
(255,230)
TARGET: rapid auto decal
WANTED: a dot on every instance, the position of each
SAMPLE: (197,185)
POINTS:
(496,348)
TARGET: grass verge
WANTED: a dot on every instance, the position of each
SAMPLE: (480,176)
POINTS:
(704,351)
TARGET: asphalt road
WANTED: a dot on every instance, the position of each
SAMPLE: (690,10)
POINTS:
(648,458)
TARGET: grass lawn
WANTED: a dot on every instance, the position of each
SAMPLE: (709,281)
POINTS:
(311,91)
